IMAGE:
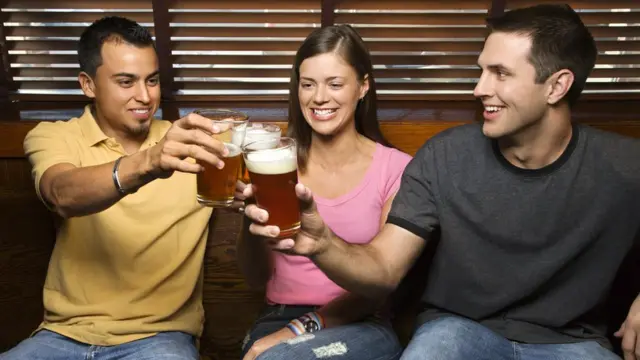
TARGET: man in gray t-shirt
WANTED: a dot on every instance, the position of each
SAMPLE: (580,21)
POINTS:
(535,213)
(528,253)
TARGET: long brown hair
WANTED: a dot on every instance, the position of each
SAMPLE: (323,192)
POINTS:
(345,41)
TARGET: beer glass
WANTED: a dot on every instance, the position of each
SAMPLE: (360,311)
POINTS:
(259,131)
(216,187)
(273,168)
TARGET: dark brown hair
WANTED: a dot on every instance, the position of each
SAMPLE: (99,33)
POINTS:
(559,40)
(344,41)
(106,29)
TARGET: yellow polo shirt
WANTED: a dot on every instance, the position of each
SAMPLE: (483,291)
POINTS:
(134,269)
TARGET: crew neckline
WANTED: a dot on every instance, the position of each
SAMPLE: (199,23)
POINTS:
(368,176)
(545,170)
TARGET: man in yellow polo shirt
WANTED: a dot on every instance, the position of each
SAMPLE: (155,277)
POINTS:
(125,277)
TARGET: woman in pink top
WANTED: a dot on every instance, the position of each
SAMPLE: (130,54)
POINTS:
(354,174)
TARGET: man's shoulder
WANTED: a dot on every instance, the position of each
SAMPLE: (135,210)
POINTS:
(456,138)
(612,150)
(59,129)
(609,139)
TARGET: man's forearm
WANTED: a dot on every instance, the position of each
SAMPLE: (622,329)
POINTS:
(356,268)
(254,258)
(88,190)
(348,308)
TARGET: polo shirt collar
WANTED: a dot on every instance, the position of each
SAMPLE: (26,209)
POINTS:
(94,135)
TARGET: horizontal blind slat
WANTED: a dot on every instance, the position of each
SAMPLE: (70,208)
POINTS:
(418,21)
(42,36)
(192,5)
(242,19)
(420,48)
(237,46)
(75,4)
(412,5)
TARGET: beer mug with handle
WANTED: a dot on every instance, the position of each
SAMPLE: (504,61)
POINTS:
(216,187)
(273,169)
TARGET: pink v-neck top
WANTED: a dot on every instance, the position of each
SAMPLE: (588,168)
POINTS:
(354,217)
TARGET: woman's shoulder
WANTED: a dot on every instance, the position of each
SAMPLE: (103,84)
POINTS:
(392,157)
(391,165)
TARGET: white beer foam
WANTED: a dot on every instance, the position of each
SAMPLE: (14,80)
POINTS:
(262,144)
(260,133)
(272,162)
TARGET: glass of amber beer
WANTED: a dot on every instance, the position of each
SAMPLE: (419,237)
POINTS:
(273,169)
(216,187)
(259,131)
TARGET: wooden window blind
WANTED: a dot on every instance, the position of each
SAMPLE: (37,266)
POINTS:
(243,50)
(223,49)
(420,49)
(615,25)
(41,39)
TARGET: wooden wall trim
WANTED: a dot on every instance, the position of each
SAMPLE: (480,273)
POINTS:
(402,134)
(405,135)
(11,136)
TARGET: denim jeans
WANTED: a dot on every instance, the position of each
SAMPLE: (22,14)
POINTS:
(366,340)
(453,338)
(48,345)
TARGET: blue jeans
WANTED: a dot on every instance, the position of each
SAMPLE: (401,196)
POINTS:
(367,340)
(48,345)
(453,338)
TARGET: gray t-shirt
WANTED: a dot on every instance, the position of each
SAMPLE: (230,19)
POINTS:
(531,254)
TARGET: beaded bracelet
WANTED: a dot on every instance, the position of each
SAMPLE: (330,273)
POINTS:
(299,326)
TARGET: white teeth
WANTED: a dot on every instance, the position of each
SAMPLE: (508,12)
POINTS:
(141,111)
(323,111)
(492,108)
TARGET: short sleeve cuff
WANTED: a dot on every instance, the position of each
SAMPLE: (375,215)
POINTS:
(409,226)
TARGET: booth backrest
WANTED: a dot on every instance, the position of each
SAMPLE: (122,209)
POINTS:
(27,237)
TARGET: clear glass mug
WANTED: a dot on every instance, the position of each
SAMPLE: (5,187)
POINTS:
(259,131)
(273,169)
(216,187)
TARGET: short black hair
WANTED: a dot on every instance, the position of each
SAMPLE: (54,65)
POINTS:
(559,40)
(110,28)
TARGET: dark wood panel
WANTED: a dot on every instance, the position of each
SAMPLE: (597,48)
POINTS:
(12,134)
(407,136)
(229,304)
(27,236)
(271,107)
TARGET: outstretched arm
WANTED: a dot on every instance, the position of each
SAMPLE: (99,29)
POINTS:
(64,185)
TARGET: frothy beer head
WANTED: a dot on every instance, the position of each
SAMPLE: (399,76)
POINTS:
(257,132)
(272,161)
